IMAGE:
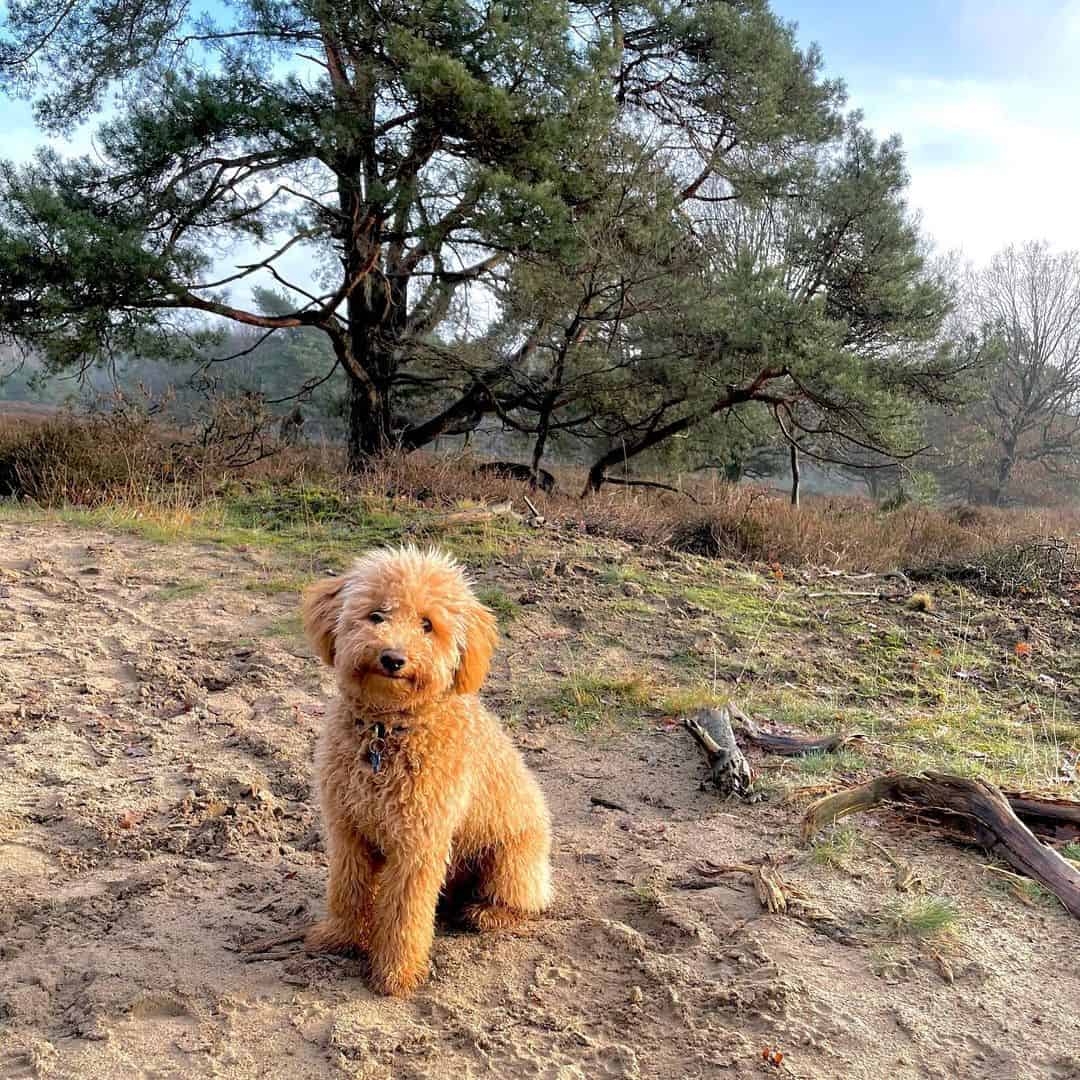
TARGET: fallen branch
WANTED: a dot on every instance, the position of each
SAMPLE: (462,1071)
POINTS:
(480,513)
(1049,819)
(649,484)
(771,888)
(271,948)
(472,516)
(790,745)
(607,804)
(776,895)
(970,810)
(537,518)
(785,745)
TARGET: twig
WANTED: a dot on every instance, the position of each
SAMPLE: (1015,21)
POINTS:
(607,804)
(699,885)
(102,757)
(905,878)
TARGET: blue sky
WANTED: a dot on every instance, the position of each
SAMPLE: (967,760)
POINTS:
(985,94)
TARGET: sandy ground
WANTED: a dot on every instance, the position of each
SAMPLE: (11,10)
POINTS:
(156,812)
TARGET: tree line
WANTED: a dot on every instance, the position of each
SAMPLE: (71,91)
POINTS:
(652,229)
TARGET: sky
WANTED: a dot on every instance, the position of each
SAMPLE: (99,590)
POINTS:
(985,94)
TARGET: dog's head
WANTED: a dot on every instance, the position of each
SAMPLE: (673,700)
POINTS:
(401,627)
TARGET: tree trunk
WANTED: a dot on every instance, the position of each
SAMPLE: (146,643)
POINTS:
(1004,471)
(735,395)
(369,428)
(795,478)
(624,451)
(369,403)
(543,428)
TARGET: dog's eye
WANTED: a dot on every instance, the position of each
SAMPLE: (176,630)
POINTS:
(426,624)
(376,617)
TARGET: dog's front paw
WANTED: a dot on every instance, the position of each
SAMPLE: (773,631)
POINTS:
(396,982)
(333,936)
(492,916)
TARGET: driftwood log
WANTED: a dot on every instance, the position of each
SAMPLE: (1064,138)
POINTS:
(1049,819)
(711,730)
(970,810)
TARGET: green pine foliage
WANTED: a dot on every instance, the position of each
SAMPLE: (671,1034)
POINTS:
(610,225)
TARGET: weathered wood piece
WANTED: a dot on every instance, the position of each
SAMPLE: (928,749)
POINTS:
(711,729)
(971,810)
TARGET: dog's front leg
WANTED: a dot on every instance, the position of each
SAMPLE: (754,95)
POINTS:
(350,892)
(404,922)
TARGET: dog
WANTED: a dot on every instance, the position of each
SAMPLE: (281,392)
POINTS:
(422,792)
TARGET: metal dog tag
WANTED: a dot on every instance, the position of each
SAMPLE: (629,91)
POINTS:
(376,748)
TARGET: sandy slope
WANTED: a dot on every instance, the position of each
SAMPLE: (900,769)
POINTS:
(155,811)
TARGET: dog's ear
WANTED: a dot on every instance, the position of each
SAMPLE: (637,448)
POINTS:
(480,638)
(320,607)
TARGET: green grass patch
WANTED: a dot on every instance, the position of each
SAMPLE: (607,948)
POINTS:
(276,586)
(683,700)
(648,895)
(836,848)
(621,573)
(920,917)
(287,511)
(591,699)
(747,611)
(310,526)
(504,606)
(479,543)
(291,627)
(825,764)
(303,518)
(1028,892)
(182,590)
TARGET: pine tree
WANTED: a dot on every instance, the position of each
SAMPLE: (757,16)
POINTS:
(414,149)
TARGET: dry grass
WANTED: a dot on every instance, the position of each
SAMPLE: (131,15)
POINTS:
(64,461)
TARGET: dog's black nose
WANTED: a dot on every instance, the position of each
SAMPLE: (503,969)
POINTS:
(392,661)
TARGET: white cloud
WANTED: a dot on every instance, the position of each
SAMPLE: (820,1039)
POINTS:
(994,159)
(991,162)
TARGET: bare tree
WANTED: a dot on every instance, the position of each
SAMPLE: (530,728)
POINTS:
(1030,297)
